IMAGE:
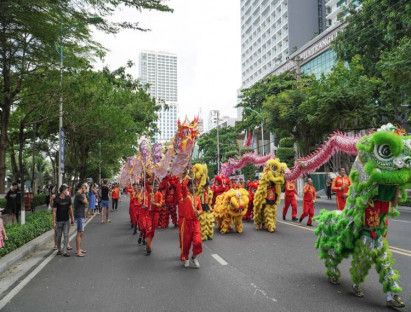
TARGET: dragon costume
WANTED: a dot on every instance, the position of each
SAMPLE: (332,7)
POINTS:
(206,219)
(231,207)
(268,195)
(380,174)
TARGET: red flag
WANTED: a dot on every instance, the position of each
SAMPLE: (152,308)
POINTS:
(248,139)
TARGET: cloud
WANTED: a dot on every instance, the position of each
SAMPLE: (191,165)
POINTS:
(205,35)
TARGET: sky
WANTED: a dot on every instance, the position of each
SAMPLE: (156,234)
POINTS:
(206,37)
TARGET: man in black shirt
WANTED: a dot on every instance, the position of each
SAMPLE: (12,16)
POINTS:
(104,202)
(80,203)
(11,204)
(62,210)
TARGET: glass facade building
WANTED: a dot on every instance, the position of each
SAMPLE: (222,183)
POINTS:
(321,64)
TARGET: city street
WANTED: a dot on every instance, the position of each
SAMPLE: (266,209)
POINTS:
(253,271)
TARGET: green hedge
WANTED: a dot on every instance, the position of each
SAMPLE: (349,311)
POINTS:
(286,142)
(36,224)
(39,199)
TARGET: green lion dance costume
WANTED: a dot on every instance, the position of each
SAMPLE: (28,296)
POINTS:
(380,174)
(268,195)
(206,219)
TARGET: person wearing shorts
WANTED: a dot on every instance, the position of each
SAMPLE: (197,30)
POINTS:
(105,203)
(80,204)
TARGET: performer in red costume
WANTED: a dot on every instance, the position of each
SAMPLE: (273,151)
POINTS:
(252,188)
(340,185)
(308,202)
(189,207)
(129,190)
(289,199)
(137,203)
(168,191)
(217,188)
(155,201)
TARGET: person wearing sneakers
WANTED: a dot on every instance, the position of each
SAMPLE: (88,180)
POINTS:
(80,202)
(105,203)
(155,203)
(308,202)
(289,199)
(189,207)
(62,211)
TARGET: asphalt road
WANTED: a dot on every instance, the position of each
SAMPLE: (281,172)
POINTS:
(264,272)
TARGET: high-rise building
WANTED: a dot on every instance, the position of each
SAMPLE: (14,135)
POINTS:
(335,8)
(159,70)
(273,29)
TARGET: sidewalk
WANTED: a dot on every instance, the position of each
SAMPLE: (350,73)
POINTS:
(9,260)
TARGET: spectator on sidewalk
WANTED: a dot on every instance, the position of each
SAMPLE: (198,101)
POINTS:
(48,191)
(80,202)
(115,194)
(104,202)
(62,211)
(52,198)
(3,234)
(92,200)
(11,204)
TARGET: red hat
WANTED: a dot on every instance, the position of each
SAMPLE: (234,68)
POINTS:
(252,185)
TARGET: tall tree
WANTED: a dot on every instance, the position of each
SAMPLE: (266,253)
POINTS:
(29,31)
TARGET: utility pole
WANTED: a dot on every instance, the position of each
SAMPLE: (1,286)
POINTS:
(218,142)
(34,150)
(298,61)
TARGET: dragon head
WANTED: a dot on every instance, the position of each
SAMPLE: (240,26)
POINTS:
(386,156)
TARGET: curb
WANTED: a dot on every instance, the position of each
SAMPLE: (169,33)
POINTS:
(23,251)
(9,260)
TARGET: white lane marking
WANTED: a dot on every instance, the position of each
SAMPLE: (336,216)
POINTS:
(401,221)
(261,291)
(29,277)
(219,259)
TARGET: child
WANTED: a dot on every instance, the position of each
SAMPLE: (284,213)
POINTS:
(2,230)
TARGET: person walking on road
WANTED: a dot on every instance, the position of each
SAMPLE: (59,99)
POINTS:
(341,185)
(155,199)
(189,208)
(62,211)
(308,202)
(105,202)
(80,202)
(289,199)
(115,194)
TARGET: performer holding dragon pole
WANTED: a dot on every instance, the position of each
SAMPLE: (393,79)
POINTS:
(340,185)
(189,208)
(379,176)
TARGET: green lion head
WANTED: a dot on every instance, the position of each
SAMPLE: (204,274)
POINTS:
(386,156)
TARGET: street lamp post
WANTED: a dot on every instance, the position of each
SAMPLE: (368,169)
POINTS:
(93,20)
(218,141)
(262,126)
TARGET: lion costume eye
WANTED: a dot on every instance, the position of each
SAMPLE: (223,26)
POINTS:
(383,152)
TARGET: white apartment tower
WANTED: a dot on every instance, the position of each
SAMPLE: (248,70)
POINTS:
(335,8)
(271,30)
(159,70)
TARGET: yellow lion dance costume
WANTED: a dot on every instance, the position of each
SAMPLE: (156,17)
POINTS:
(268,195)
(231,207)
(206,219)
